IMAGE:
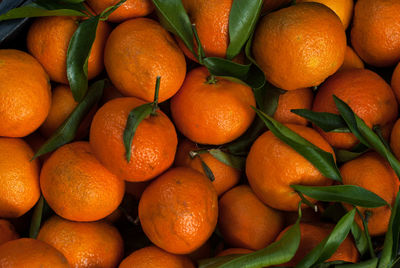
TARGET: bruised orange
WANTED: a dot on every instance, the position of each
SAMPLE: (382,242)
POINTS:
(153,146)
(212,110)
(272,166)
(179,210)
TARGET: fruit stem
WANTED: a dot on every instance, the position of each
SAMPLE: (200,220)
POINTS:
(211,79)
(156,92)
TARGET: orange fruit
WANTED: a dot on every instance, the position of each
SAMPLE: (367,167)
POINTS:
(128,10)
(7,232)
(48,40)
(374,34)
(225,176)
(363,171)
(272,166)
(245,222)
(231,251)
(153,257)
(368,95)
(271,5)
(19,178)
(24,103)
(351,60)
(342,8)
(295,99)
(27,252)
(395,139)
(153,146)
(179,210)
(77,187)
(212,112)
(312,235)
(396,82)
(84,244)
(299,46)
(138,51)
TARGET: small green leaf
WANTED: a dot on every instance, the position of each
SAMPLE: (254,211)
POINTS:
(206,169)
(350,194)
(364,220)
(173,17)
(67,131)
(276,253)
(390,246)
(365,134)
(242,20)
(109,10)
(360,239)
(135,117)
(236,162)
(372,263)
(328,122)
(36,218)
(329,245)
(321,159)
(34,10)
(78,54)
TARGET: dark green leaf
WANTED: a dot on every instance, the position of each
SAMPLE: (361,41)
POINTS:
(108,11)
(36,218)
(329,245)
(372,263)
(173,17)
(360,239)
(321,159)
(67,131)
(343,156)
(276,253)
(242,20)
(331,264)
(365,134)
(61,4)
(135,117)
(78,54)
(364,220)
(328,122)
(390,246)
(206,169)
(33,10)
(350,194)
(236,162)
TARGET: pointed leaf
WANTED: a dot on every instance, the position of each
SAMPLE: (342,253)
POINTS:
(36,218)
(236,162)
(67,131)
(34,10)
(108,11)
(78,53)
(360,239)
(372,263)
(328,122)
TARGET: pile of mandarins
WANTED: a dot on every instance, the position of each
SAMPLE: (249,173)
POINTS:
(183,202)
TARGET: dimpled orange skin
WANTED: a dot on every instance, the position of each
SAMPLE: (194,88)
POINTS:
(19,178)
(342,8)
(364,171)
(179,210)
(48,40)
(7,232)
(245,222)
(375,33)
(395,83)
(153,257)
(395,139)
(225,176)
(299,46)
(272,166)
(212,113)
(312,235)
(231,251)
(138,51)
(153,146)
(89,244)
(367,94)
(24,103)
(31,253)
(294,99)
(77,187)
(351,60)
(128,10)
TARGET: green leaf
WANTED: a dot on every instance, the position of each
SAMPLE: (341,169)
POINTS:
(78,54)
(62,4)
(207,170)
(390,246)
(276,253)
(328,122)
(67,131)
(350,194)
(330,264)
(236,162)
(321,159)
(329,245)
(34,10)
(135,117)
(365,134)
(173,17)
(242,20)
(108,11)
(372,263)
(360,239)
(36,218)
